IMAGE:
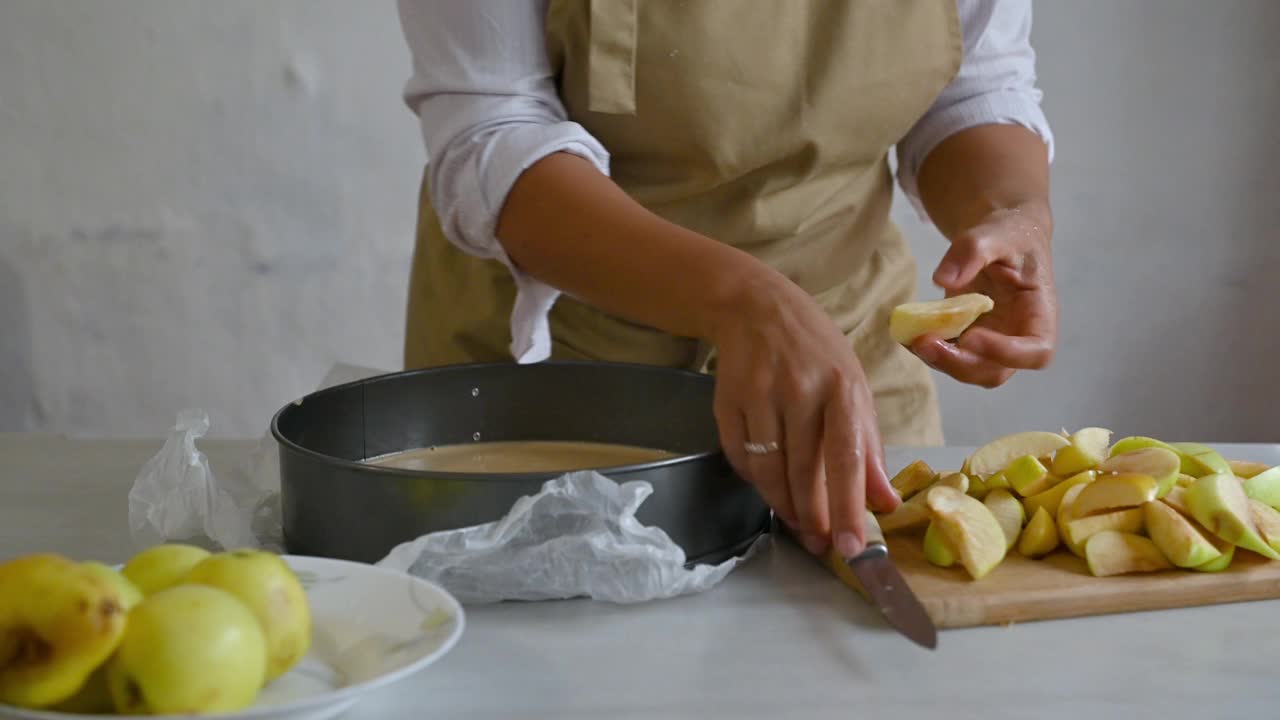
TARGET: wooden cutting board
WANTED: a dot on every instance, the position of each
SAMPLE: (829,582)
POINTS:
(1060,586)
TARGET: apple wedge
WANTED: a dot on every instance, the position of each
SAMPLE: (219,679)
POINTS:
(1218,502)
(1040,536)
(1115,553)
(1223,561)
(1200,460)
(1050,499)
(997,454)
(1267,520)
(1111,492)
(1064,514)
(1138,442)
(913,478)
(914,513)
(1184,480)
(1009,513)
(1160,464)
(1077,531)
(1245,469)
(1177,499)
(969,529)
(1179,540)
(946,318)
(997,482)
(1028,476)
(1087,450)
(1264,487)
(978,489)
(936,549)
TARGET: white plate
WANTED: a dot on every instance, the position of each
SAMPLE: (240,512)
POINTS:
(371,627)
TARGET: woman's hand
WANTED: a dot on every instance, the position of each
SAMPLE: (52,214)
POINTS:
(1007,257)
(787,375)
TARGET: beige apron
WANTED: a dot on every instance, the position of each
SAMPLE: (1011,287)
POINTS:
(763,124)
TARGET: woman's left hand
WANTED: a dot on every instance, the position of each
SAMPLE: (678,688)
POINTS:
(1006,256)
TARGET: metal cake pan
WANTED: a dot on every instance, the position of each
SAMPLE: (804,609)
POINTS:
(334,504)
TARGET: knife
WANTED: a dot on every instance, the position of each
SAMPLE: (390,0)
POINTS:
(873,574)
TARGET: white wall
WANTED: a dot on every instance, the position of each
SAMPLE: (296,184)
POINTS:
(209,203)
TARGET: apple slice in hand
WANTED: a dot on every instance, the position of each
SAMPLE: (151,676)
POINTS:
(1218,502)
(1161,464)
(946,318)
(1110,492)
(1115,553)
(997,454)
(1040,536)
(1179,540)
(969,529)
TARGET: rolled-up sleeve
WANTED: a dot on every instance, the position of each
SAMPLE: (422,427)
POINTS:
(996,83)
(484,92)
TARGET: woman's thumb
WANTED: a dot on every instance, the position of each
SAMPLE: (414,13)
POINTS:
(962,262)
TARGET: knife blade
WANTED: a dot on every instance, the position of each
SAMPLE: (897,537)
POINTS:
(875,575)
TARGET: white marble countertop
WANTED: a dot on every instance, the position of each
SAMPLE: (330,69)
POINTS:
(778,638)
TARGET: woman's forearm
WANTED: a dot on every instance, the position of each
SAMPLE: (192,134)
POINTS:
(983,169)
(573,228)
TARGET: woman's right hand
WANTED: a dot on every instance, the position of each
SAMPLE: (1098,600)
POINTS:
(787,375)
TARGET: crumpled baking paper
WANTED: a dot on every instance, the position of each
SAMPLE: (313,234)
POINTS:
(577,537)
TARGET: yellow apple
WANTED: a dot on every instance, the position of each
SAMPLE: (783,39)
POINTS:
(1245,469)
(1088,448)
(913,478)
(1110,492)
(129,594)
(1184,480)
(947,318)
(936,550)
(162,566)
(1028,476)
(978,488)
(1218,502)
(1267,520)
(1050,499)
(914,513)
(1114,553)
(1077,531)
(1179,540)
(190,649)
(58,622)
(969,529)
(997,454)
(265,583)
(1008,512)
(1160,464)
(1264,487)
(93,698)
(997,482)
(1040,537)
(1200,460)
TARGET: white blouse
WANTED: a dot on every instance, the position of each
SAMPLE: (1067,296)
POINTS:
(483,90)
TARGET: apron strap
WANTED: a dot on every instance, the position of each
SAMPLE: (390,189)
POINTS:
(611,83)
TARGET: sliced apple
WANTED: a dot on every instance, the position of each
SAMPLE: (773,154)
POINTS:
(1179,540)
(1050,499)
(1177,499)
(1028,476)
(1088,448)
(1159,463)
(1040,536)
(1138,442)
(1112,552)
(1184,480)
(1200,460)
(978,489)
(1246,469)
(1110,492)
(1267,520)
(969,529)
(914,513)
(1078,530)
(1265,487)
(913,478)
(1218,502)
(1009,513)
(947,318)
(936,550)
(1223,561)
(997,482)
(1064,514)
(997,454)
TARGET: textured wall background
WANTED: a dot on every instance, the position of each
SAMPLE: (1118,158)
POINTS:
(211,203)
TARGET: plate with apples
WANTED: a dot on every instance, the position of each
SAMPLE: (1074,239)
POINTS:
(182,631)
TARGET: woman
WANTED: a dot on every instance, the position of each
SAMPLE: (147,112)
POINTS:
(706,184)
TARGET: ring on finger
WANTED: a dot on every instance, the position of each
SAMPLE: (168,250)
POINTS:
(755,448)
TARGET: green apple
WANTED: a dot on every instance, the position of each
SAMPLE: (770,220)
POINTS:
(913,514)
(1161,464)
(1138,442)
(1176,537)
(1265,487)
(997,454)
(1050,499)
(1008,512)
(1040,537)
(977,487)
(1077,531)
(190,649)
(1110,492)
(1218,502)
(162,566)
(269,588)
(1111,552)
(1267,520)
(969,529)
(997,482)
(1245,469)
(1223,561)
(1200,460)
(913,478)
(935,548)
(1028,476)
(1088,448)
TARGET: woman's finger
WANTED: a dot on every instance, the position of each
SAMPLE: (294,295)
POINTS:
(844,459)
(768,468)
(733,437)
(803,464)
(964,259)
(881,496)
(960,363)
(1025,352)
